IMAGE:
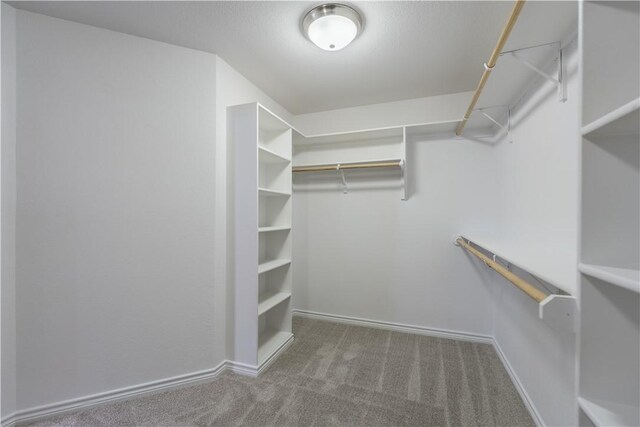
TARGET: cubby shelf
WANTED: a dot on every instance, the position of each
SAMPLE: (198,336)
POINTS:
(624,277)
(609,414)
(621,121)
(269,342)
(271,301)
(274,228)
(272,265)
(270,156)
(273,193)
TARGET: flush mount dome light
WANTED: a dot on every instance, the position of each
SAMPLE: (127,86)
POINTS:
(332,26)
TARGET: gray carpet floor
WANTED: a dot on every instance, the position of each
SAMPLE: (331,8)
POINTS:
(338,375)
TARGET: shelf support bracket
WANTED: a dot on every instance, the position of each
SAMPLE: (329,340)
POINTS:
(559,82)
(505,127)
(559,312)
(404,179)
(345,188)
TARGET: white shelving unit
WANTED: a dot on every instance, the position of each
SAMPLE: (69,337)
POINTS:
(610,215)
(262,144)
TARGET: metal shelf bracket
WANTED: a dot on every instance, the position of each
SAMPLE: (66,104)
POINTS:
(345,187)
(559,82)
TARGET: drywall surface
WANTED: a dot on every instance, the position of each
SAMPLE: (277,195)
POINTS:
(231,89)
(115,214)
(412,111)
(367,254)
(538,207)
(8,167)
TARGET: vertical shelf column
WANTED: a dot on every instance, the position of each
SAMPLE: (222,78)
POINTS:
(609,292)
(261,143)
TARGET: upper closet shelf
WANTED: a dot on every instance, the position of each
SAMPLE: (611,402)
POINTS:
(619,122)
(605,414)
(361,136)
(556,309)
(540,260)
(344,154)
(624,277)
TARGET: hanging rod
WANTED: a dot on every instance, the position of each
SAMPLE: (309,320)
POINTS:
(520,283)
(345,166)
(490,64)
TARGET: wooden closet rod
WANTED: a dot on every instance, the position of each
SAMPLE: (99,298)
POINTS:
(344,166)
(521,284)
(488,67)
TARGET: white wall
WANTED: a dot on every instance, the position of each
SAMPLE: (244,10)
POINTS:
(367,254)
(115,213)
(231,89)
(412,111)
(8,213)
(538,179)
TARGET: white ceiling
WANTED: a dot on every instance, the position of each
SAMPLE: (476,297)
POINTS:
(407,49)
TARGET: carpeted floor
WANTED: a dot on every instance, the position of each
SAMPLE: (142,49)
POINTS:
(339,375)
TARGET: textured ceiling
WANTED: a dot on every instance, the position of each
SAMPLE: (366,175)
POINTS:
(407,49)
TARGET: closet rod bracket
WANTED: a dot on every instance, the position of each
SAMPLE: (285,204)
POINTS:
(345,187)
(559,312)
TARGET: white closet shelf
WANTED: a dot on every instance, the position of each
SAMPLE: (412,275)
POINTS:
(271,301)
(534,257)
(270,156)
(624,277)
(274,228)
(621,121)
(609,414)
(272,193)
(363,136)
(272,265)
(269,342)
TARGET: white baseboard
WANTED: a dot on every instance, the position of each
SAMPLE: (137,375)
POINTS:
(9,421)
(398,327)
(86,402)
(255,371)
(420,330)
(242,368)
(273,356)
(537,418)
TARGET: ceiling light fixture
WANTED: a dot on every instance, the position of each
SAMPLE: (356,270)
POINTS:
(332,26)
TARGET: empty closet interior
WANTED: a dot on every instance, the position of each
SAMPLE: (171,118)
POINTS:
(185,184)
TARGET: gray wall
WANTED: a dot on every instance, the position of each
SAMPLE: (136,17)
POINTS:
(368,254)
(8,154)
(538,208)
(115,230)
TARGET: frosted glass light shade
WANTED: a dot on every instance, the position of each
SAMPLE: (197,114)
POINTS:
(332,26)
(332,32)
